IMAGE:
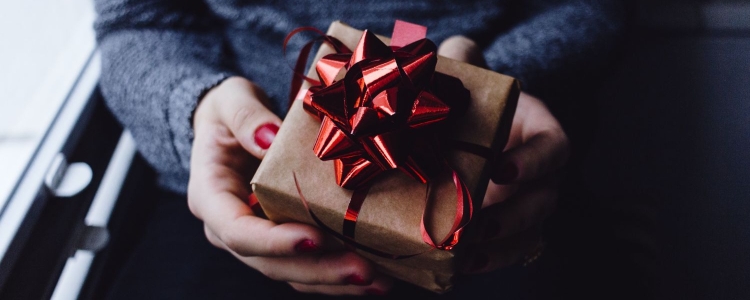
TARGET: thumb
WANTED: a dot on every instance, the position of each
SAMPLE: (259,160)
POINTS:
(543,147)
(542,154)
(463,49)
(249,120)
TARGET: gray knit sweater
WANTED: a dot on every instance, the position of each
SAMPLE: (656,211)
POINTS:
(160,56)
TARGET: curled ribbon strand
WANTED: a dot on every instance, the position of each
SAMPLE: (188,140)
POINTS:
(298,75)
(350,241)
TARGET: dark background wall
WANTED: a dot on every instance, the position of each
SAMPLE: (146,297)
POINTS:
(671,149)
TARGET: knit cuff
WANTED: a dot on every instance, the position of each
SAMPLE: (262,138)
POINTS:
(182,103)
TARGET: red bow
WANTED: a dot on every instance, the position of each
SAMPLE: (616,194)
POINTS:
(379,107)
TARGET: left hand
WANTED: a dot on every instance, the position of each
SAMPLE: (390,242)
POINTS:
(233,130)
(523,191)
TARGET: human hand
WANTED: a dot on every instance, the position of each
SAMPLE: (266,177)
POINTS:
(233,128)
(523,191)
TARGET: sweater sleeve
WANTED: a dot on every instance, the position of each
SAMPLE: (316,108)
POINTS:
(554,45)
(158,59)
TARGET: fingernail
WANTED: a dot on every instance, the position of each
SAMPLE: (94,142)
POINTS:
(480,262)
(508,173)
(375,292)
(355,280)
(265,134)
(491,229)
(306,246)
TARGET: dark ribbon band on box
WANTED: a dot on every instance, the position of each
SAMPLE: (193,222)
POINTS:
(384,108)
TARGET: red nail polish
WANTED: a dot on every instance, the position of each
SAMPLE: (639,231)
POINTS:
(355,280)
(306,246)
(375,292)
(265,134)
(508,172)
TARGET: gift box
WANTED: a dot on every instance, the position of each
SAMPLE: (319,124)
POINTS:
(404,209)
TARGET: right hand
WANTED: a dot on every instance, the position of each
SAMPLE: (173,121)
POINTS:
(233,129)
(523,191)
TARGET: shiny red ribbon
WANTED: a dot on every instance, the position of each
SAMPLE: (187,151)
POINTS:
(378,106)
(384,108)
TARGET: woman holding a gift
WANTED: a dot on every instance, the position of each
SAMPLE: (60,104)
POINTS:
(201,85)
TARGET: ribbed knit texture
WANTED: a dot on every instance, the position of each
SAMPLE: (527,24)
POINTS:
(160,57)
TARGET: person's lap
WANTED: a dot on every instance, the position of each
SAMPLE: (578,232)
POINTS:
(173,260)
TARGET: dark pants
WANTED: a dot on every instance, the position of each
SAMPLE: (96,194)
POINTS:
(173,260)
(585,259)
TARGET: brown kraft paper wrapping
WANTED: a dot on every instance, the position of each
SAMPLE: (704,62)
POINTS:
(390,217)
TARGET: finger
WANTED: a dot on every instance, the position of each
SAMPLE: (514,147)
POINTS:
(380,286)
(217,194)
(528,208)
(463,49)
(537,157)
(213,239)
(502,253)
(498,193)
(234,224)
(250,121)
(538,144)
(331,268)
(336,268)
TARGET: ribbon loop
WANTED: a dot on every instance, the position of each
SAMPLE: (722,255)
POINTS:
(379,107)
(384,95)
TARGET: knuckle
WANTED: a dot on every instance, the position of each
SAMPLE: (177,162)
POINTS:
(270,246)
(356,264)
(231,241)
(192,205)
(193,200)
(267,243)
(243,116)
(270,272)
(237,244)
(212,238)
(460,40)
(299,287)
(191,195)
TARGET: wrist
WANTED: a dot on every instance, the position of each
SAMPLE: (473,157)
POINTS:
(234,86)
